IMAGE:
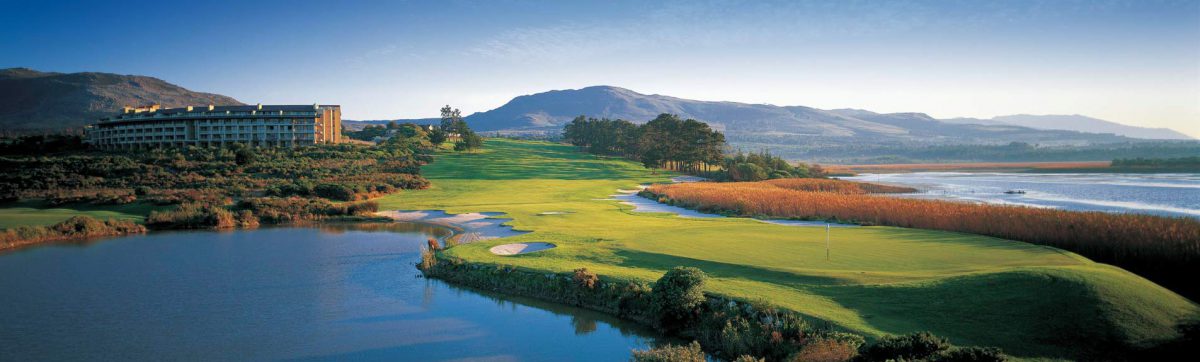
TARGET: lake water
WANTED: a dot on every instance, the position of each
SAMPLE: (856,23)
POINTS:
(1160,194)
(329,293)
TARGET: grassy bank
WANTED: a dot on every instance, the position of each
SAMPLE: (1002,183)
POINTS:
(1032,301)
(39,213)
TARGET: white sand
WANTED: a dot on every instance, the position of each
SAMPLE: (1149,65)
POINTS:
(482,225)
(520,248)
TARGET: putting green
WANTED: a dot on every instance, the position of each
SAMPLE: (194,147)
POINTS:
(1031,300)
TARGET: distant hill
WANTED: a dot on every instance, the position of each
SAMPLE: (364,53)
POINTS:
(33,100)
(1079,123)
(761,123)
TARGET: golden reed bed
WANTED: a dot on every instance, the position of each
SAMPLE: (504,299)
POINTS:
(1163,249)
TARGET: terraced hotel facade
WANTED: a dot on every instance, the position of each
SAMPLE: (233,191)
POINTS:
(257,125)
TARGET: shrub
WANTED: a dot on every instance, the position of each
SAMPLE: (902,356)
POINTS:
(433,244)
(428,259)
(192,216)
(75,227)
(971,354)
(826,350)
(677,297)
(335,192)
(585,279)
(672,353)
(748,358)
(906,347)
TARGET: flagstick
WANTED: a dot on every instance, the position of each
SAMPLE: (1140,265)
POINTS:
(826,241)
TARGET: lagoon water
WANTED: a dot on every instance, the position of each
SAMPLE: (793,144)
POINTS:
(329,293)
(1160,194)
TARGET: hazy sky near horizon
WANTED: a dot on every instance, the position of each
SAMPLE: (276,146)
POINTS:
(1133,62)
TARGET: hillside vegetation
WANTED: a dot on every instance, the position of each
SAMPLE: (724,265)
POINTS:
(1030,300)
(33,101)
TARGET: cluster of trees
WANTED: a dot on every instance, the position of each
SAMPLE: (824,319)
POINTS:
(682,145)
(451,128)
(392,131)
(1162,249)
(763,166)
(666,141)
(454,128)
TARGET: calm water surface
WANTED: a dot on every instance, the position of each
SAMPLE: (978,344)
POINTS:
(1161,194)
(333,293)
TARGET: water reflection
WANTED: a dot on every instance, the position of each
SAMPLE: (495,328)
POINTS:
(333,292)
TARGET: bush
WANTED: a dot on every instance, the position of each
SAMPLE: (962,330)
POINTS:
(335,192)
(826,350)
(672,353)
(971,354)
(677,296)
(913,346)
(76,227)
(192,216)
(748,358)
(585,279)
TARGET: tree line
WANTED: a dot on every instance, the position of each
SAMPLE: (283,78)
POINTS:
(665,142)
(684,145)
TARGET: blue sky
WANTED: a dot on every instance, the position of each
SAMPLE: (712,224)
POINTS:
(1134,62)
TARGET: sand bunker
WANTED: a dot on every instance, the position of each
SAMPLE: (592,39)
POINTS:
(479,225)
(520,248)
(554,213)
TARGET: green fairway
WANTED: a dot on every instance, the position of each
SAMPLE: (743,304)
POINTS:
(1033,301)
(38,213)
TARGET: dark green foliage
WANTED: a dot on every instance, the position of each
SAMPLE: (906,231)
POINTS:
(678,296)
(210,175)
(913,346)
(41,145)
(335,192)
(672,353)
(666,141)
(455,127)
(682,145)
(468,141)
(1180,163)
(764,165)
(755,329)
(971,354)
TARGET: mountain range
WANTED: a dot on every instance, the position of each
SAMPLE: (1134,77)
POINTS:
(764,125)
(35,100)
(31,100)
(1077,122)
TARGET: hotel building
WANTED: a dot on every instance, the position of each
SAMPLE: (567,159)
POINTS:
(257,125)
